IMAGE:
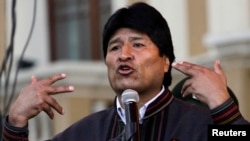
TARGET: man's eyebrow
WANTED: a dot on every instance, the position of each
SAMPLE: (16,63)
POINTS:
(112,41)
(135,38)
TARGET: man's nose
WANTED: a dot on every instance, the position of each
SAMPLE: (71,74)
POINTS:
(126,53)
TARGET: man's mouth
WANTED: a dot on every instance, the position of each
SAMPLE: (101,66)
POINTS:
(125,69)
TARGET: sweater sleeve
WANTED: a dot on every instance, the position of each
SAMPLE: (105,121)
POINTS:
(11,133)
(228,113)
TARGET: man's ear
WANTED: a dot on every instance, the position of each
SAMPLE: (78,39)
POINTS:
(166,63)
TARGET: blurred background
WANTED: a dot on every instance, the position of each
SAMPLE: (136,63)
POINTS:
(46,37)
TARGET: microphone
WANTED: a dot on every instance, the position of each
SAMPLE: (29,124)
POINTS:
(129,99)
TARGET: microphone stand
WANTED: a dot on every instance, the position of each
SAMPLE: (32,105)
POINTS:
(132,122)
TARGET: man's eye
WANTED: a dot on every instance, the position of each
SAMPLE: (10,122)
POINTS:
(138,45)
(114,48)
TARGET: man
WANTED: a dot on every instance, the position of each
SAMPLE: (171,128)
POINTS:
(138,53)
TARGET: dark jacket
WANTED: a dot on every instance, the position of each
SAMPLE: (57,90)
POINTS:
(166,119)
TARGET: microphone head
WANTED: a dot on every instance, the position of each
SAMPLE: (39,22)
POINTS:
(129,95)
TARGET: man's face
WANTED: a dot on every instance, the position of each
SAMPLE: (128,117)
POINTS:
(133,62)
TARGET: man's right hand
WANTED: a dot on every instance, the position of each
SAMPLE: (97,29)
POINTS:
(208,85)
(37,97)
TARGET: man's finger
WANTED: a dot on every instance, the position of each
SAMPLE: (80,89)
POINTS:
(53,104)
(48,110)
(33,79)
(53,79)
(184,67)
(187,88)
(217,67)
(51,90)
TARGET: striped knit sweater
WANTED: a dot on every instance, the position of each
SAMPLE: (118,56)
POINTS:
(166,119)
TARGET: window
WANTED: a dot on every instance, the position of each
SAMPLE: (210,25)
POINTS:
(76,28)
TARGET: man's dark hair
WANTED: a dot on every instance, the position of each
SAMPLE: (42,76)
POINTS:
(145,19)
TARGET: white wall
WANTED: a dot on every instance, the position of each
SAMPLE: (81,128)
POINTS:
(175,12)
(116,4)
(228,16)
(228,21)
(37,49)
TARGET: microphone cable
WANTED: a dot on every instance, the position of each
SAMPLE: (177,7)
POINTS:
(8,58)
(8,55)
(21,57)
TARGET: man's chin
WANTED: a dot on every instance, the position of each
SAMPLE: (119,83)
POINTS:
(122,88)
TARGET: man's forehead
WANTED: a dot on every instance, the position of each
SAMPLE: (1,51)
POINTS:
(128,34)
